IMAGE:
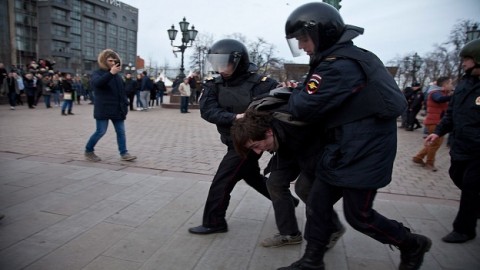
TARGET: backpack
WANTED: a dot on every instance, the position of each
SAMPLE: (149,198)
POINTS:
(276,102)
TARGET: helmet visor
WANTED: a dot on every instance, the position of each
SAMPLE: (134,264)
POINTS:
(223,63)
(298,42)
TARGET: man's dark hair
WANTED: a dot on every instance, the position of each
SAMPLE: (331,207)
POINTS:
(442,80)
(252,126)
(144,73)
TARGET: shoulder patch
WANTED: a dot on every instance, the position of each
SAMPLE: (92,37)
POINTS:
(331,58)
(264,78)
(313,84)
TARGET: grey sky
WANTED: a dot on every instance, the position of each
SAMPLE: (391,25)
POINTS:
(392,27)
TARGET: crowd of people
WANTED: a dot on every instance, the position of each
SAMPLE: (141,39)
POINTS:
(335,136)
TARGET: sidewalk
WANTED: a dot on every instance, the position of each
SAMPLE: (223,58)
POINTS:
(65,213)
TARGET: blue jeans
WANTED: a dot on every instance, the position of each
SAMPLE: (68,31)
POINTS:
(56,97)
(67,103)
(46,99)
(102,126)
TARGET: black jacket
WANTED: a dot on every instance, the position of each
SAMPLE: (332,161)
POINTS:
(110,97)
(462,119)
(223,116)
(357,154)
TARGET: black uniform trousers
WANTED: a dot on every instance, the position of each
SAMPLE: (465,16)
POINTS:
(357,206)
(232,169)
(466,176)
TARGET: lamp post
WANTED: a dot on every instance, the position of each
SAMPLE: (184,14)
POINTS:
(414,62)
(188,36)
(130,68)
(473,32)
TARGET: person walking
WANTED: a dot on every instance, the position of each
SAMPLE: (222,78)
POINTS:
(350,92)
(10,88)
(223,101)
(68,94)
(462,121)
(437,102)
(130,89)
(145,88)
(110,104)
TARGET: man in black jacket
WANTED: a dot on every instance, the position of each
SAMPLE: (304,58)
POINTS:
(415,103)
(350,92)
(222,102)
(462,121)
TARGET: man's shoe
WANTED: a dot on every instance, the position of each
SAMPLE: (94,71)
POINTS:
(456,237)
(279,240)
(128,157)
(208,230)
(411,255)
(431,167)
(90,156)
(418,161)
(311,260)
(336,236)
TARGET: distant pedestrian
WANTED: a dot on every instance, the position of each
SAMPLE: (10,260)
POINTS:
(161,90)
(130,89)
(10,88)
(68,95)
(185,91)
(110,104)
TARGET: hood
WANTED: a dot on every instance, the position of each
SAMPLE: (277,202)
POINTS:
(102,58)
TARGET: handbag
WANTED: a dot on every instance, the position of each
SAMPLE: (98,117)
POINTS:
(67,96)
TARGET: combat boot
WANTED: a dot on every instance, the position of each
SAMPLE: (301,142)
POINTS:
(311,260)
(413,250)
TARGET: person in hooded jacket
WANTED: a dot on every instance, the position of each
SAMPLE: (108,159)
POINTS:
(110,103)
(351,93)
(222,102)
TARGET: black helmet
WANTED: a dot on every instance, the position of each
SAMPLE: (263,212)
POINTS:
(228,53)
(472,50)
(320,21)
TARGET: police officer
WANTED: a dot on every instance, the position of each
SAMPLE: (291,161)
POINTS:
(222,102)
(462,120)
(350,91)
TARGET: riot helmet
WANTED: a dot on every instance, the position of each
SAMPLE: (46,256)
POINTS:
(319,21)
(228,57)
(472,50)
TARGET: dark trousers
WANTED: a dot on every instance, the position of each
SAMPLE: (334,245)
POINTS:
(412,120)
(31,100)
(131,96)
(183,104)
(466,176)
(357,206)
(232,169)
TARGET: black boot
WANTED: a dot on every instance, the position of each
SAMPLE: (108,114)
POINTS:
(412,251)
(311,260)
(63,113)
(70,112)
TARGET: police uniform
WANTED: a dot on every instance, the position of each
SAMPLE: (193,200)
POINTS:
(220,102)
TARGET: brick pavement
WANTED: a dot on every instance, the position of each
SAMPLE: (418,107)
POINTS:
(65,213)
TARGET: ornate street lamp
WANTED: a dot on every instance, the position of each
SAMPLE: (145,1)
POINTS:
(415,62)
(130,68)
(473,33)
(188,36)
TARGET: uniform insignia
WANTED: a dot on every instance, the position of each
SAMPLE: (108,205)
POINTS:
(313,84)
(477,101)
(264,79)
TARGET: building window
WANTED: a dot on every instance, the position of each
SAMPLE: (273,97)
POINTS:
(114,15)
(89,23)
(124,18)
(133,21)
(122,45)
(131,35)
(76,10)
(59,46)
(76,27)
(122,33)
(101,41)
(59,14)
(76,42)
(89,51)
(59,30)
(101,11)
(131,46)
(112,42)
(88,8)
(89,37)
(112,30)
(101,27)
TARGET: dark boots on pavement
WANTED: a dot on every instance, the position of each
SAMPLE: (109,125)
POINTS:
(413,250)
(311,260)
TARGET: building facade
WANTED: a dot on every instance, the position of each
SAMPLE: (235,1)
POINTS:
(69,33)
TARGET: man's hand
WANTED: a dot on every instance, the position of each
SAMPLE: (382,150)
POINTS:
(116,69)
(431,138)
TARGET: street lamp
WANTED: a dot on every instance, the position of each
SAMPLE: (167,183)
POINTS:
(130,68)
(416,62)
(188,36)
(473,33)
